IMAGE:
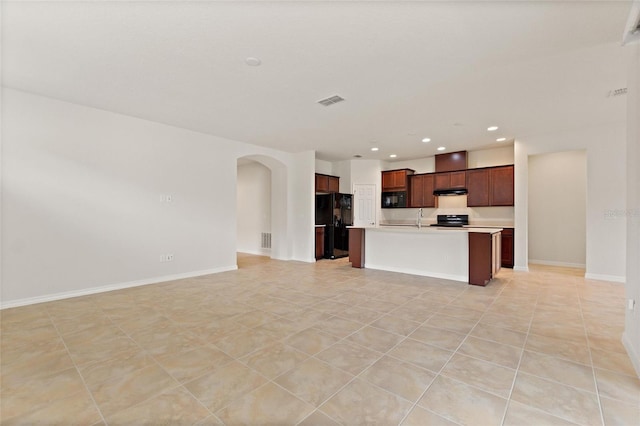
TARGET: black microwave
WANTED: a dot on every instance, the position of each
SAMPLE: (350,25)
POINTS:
(391,200)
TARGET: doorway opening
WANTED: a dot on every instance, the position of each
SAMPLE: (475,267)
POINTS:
(253,208)
(261,208)
(557,213)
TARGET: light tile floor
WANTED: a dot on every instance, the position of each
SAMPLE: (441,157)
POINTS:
(323,344)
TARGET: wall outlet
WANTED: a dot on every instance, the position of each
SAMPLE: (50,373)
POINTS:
(170,257)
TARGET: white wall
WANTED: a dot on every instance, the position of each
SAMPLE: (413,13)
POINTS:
(342,169)
(490,157)
(301,209)
(253,207)
(420,165)
(82,209)
(606,183)
(323,167)
(631,337)
(557,208)
(367,171)
(475,159)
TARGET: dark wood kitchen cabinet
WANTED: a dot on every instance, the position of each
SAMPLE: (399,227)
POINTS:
(491,186)
(507,249)
(484,257)
(334,184)
(478,187)
(327,183)
(356,247)
(422,187)
(319,242)
(458,179)
(450,180)
(452,161)
(396,180)
(501,186)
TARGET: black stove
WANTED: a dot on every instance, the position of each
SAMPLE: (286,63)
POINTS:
(452,220)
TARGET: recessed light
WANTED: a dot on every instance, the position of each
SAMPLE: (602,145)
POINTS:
(374,149)
(501,139)
(393,156)
(441,148)
(253,62)
(426,140)
(492,128)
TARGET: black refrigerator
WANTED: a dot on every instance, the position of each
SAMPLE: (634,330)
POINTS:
(335,211)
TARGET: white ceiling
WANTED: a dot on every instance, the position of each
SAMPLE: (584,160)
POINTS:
(445,70)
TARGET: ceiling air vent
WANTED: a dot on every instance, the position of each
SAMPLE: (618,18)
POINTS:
(618,92)
(331,100)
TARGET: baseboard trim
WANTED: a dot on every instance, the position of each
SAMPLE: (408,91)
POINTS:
(554,263)
(521,268)
(600,277)
(461,278)
(111,287)
(633,355)
(261,252)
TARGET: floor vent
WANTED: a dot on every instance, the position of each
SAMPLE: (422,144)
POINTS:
(266,240)
(330,101)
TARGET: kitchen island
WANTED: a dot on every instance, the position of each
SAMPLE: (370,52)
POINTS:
(431,251)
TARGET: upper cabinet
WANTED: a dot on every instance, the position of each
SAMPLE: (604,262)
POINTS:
(422,187)
(450,180)
(502,186)
(491,186)
(451,162)
(478,188)
(326,183)
(334,184)
(396,180)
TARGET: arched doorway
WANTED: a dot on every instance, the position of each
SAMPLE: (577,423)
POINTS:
(262,207)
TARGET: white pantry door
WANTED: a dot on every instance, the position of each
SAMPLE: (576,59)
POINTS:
(364,204)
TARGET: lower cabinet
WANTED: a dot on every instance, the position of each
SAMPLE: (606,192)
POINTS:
(484,257)
(356,247)
(319,242)
(507,247)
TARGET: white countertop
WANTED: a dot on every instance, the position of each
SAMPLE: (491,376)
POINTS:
(432,229)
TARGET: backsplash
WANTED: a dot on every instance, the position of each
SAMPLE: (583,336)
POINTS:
(503,216)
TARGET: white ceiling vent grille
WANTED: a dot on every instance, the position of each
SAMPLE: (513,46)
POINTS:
(618,92)
(331,100)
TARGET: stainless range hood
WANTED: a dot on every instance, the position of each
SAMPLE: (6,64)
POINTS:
(453,191)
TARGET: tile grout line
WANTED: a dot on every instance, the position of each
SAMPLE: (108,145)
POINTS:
(593,368)
(524,345)
(562,417)
(453,353)
(402,338)
(95,404)
(147,353)
(365,369)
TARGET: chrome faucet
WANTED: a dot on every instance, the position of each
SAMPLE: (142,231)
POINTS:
(419,218)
